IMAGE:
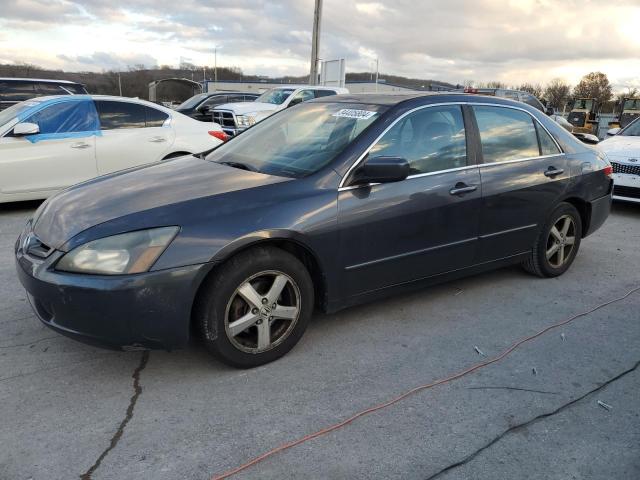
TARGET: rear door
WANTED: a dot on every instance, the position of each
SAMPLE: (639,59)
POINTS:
(523,172)
(393,233)
(62,154)
(132,134)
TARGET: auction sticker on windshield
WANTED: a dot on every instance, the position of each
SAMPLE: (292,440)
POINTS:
(352,113)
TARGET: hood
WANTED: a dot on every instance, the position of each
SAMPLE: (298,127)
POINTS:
(621,146)
(243,108)
(133,191)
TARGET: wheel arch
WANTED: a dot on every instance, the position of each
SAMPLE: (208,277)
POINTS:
(288,241)
(584,209)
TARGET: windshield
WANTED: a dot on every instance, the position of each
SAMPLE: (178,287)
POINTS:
(631,130)
(192,102)
(298,141)
(15,110)
(583,104)
(632,104)
(276,95)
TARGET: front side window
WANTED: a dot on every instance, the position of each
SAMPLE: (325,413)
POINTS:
(506,134)
(298,141)
(431,139)
(217,100)
(66,117)
(115,115)
(303,96)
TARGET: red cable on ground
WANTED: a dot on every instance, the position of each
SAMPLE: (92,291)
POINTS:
(380,406)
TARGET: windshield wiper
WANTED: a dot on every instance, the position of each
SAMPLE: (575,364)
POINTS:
(241,166)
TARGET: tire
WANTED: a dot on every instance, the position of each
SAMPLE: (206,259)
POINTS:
(556,242)
(236,292)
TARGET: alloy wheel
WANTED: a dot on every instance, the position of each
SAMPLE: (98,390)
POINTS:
(262,311)
(561,241)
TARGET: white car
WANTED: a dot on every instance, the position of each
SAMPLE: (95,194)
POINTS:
(50,143)
(623,149)
(236,117)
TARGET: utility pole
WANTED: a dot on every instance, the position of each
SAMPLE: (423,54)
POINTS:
(377,74)
(315,43)
(215,68)
(119,84)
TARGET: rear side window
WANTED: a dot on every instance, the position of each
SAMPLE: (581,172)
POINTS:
(506,134)
(324,93)
(431,139)
(154,117)
(115,115)
(547,145)
(12,91)
(51,89)
(67,117)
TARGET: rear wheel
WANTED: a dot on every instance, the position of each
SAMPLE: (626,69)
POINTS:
(557,244)
(256,307)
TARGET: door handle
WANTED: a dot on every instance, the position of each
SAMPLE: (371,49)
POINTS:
(80,145)
(157,139)
(461,188)
(553,171)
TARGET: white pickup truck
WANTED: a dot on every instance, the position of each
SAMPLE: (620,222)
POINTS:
(236,117)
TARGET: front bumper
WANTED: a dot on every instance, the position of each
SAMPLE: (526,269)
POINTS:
(147,310)
(626,187)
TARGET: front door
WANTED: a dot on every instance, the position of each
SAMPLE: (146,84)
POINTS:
(60,155)
(425,225)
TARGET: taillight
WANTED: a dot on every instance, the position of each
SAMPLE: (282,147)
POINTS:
(470,90)
(608,171)
(219,134)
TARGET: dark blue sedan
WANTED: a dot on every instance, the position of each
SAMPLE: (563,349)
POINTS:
(327,204)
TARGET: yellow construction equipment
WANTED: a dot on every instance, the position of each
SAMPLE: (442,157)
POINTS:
(584,115)
(626,112)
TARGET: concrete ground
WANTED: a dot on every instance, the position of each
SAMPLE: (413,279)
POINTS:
(68,410)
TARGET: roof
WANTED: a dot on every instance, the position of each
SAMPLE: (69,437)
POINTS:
(418,98)
(46,80)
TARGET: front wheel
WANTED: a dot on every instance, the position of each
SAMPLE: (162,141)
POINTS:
(256,307)
(557,244)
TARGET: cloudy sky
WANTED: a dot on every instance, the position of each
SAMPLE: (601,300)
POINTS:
(451,40)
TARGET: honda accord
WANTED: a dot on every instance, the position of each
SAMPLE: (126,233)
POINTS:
(327,204)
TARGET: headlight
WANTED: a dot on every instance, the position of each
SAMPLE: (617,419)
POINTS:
(246,120)
(132,252)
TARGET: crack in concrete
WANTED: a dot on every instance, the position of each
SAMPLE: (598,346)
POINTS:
(518,389)
(137,390)
(535,419)
(30,343)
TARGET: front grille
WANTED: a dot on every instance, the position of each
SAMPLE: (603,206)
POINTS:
(629,192)
(577,119)
(224,118)
(624,168)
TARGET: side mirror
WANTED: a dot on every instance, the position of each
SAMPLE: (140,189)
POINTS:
(613,131)
(549,111)
(26,128)
(587,138)
(294,101)
(381,170)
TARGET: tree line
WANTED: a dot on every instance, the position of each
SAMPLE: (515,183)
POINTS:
(558,94)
